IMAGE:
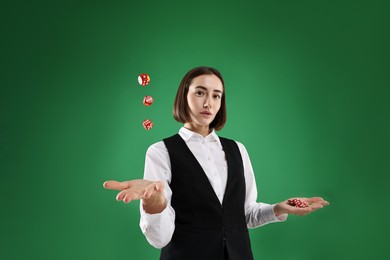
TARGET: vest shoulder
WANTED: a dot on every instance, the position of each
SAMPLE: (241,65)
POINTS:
(228,140)
(231,141)
(171,139)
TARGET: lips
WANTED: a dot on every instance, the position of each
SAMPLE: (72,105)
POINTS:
(206,113)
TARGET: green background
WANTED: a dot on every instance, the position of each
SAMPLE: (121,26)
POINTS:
(307,93)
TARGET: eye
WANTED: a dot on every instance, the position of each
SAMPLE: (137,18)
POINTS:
(216,96)
(199,93)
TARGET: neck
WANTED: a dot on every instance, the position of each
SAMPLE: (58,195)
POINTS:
(202,130)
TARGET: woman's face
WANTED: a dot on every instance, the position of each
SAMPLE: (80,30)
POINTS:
(204,99)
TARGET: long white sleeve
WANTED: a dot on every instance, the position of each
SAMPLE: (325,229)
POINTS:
(158,228)
(256,213)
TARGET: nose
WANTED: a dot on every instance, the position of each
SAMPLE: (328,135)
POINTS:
(207,103)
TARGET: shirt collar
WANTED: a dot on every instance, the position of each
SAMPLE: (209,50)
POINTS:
(187,135)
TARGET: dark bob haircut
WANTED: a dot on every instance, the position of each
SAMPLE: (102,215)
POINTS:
(181,109)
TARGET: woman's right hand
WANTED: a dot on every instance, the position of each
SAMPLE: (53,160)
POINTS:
(150,192)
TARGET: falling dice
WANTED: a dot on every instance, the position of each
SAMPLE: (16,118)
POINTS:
(298,203)
(143,79)
(147,124)
(148,101)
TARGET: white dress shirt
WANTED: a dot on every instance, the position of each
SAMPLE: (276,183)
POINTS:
(158,228)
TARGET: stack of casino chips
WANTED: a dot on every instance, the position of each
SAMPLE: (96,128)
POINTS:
(298,203)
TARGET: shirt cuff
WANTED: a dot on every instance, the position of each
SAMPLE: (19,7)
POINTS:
(280,218)
(153,220)
(269,214)
(158,228)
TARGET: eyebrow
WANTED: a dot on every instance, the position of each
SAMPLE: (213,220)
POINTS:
(214,90)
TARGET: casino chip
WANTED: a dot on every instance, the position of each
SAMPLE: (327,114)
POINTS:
(298,203)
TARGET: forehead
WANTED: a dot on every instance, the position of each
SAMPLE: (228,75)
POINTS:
(210,82)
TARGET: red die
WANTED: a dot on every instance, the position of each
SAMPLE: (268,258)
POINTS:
(143,79)
(147,124)
(148,101)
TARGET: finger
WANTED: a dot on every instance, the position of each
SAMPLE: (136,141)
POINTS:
(316,206)
(313,199)
(131,196)
(156,186)
(128,195)
(323,203)
(116,185)
(121,195)
(149,190)
(317,200)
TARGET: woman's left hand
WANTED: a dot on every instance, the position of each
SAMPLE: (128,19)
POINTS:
(286,208)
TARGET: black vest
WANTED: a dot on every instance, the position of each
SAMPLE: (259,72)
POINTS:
(203,227)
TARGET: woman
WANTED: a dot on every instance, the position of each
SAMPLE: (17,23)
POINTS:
(199,192)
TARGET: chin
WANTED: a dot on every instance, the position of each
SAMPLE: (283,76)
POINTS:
(201,123)
(205,123)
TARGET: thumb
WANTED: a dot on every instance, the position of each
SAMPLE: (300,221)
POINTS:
(157,186)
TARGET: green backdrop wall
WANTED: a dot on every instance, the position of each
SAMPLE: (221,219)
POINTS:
(307,93)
